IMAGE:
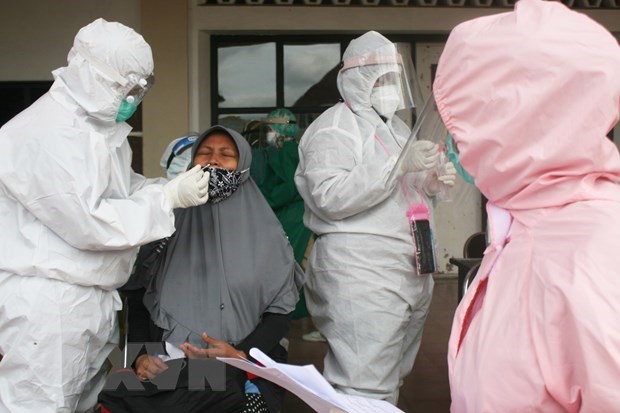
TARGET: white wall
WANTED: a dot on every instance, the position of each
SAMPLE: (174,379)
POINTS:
(36,35)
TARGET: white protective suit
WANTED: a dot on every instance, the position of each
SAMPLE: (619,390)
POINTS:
(362,288)
(72,213)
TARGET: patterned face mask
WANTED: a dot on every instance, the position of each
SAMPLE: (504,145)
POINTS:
(222,183)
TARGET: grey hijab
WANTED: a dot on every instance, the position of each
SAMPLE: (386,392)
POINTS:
(226,265)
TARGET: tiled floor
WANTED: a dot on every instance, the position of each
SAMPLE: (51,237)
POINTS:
(426,389)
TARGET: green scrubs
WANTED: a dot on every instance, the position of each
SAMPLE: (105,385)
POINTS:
(278,187)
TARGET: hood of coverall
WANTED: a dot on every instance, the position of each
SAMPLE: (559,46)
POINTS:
(529,103)
(355,84)
(114,49)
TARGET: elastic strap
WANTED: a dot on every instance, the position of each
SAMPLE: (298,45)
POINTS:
(281,121)
(99,65)
(372,59)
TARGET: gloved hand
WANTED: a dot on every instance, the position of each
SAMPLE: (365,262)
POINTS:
(424,156)
(191,188)
(434,181)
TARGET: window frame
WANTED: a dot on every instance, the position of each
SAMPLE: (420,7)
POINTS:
(280,41)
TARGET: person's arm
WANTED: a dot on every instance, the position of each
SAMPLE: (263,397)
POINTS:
(267,334)
(137,181)
(335,176)
(140,329)
(265,337)
(87,203)
(279,188)
(280,193)
(138,318)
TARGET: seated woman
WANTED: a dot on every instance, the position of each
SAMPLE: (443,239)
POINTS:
(226,282)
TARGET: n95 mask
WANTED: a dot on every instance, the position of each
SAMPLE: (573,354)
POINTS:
(385,100)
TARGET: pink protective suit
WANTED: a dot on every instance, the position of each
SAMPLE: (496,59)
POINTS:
(529,96)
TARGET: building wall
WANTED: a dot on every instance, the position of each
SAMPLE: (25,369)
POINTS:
(36,35)
(165,114)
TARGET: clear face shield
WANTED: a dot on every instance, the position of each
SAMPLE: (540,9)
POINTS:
(430,126)
(395,87)
(280,130)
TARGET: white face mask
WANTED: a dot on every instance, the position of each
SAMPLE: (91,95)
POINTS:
(385,99)
(271,138)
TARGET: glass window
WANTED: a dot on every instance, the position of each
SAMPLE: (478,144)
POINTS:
(255,74)
(310,74)
(247,75)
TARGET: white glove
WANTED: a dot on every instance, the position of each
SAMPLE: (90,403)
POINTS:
(424,156)
(191,188)
(448,176)
(434,181)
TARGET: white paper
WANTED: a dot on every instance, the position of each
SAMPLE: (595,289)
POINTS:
(309,385)
(173,353)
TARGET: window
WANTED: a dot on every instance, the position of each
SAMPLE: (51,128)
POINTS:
(257,74)
(17,96)
(254,75)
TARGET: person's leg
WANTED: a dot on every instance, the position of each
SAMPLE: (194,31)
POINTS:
(52,336)
(360,292)
(88,398)
(421,293)
(180,400)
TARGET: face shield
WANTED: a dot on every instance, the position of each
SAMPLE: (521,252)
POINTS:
(429,126)
(390,71)
(177,156)
(279,121)
(280,130)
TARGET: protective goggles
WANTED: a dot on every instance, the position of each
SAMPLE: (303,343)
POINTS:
(139,87)
(181,146)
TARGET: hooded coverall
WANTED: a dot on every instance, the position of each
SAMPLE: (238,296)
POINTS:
(72,214)
(362,289)
(529,97)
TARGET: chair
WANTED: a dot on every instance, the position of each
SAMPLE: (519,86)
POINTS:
(475,245)
(469,278)
(473,251)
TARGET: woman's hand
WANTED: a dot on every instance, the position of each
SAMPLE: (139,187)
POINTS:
(217,348)
(147,367)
